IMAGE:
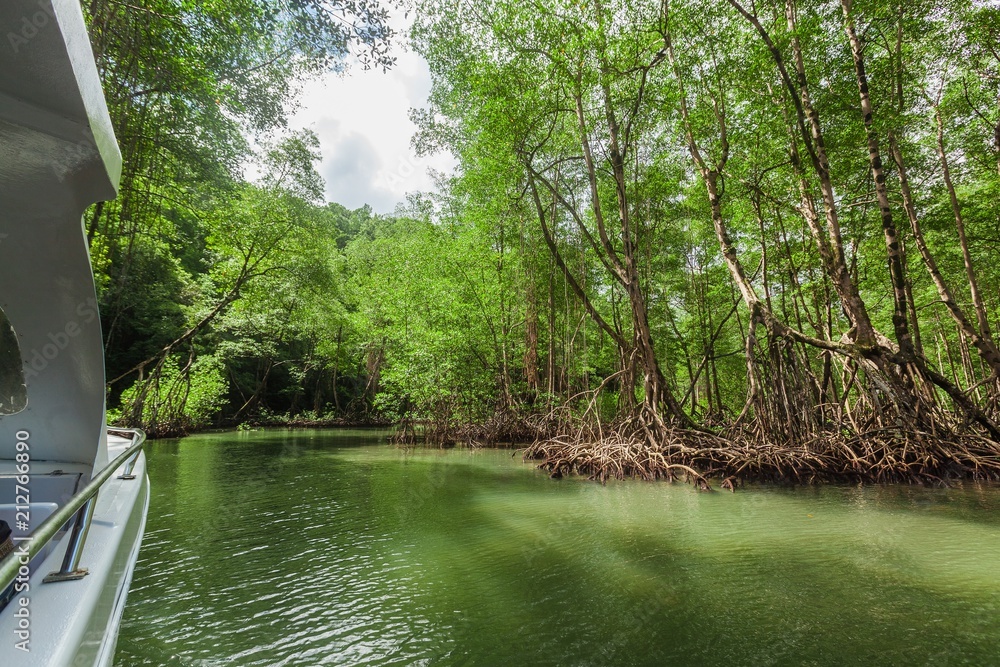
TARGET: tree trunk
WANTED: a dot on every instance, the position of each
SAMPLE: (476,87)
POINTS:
(977,297)
(987,350)
(531,340)
(894,250)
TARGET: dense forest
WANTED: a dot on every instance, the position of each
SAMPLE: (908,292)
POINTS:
(749,240)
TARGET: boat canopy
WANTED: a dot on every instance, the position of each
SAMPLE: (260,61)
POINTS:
(58,155)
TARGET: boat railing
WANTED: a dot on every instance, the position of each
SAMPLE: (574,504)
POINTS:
(80,509)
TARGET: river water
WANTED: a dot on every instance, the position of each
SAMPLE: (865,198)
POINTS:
(332,548)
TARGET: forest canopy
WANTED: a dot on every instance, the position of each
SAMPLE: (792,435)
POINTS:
(684,237)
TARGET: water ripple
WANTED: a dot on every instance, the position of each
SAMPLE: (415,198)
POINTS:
(310,549)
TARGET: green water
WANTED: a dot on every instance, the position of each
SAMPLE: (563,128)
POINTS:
(330,548)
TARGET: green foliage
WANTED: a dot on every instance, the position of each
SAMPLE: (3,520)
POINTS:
(577,225)
(425,313)
(519,93)
(185,396)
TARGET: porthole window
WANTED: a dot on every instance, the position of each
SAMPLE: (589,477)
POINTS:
(13,396)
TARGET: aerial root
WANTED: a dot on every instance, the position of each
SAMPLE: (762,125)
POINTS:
(880,456)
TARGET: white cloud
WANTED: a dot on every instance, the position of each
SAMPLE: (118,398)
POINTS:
(362,122)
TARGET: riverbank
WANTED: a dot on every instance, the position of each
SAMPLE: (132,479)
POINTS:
(727,457)
(306,422)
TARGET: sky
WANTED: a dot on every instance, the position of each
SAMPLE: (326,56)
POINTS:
(361,118)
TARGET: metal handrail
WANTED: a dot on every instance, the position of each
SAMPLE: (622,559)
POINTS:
(80,505)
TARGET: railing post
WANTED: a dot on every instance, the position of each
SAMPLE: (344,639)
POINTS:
(71,570)
(129,466)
